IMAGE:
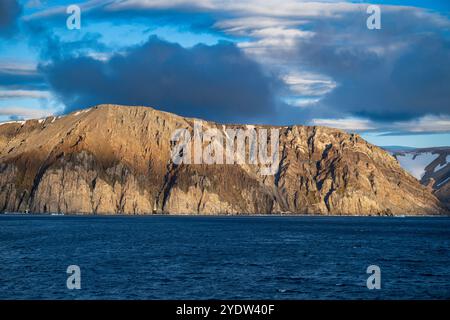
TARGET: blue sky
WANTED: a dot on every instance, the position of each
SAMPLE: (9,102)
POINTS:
(273,62)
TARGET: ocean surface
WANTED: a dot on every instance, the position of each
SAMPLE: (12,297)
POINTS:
(161,257)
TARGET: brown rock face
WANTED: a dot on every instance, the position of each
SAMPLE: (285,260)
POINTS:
(117,160)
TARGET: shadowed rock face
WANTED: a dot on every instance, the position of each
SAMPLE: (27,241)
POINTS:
(117,160)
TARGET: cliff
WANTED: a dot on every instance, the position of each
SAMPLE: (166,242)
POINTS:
(117,160)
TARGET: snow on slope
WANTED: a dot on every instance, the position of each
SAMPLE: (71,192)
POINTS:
(429,165)
(442,165)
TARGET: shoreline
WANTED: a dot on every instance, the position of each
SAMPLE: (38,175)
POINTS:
(20,214)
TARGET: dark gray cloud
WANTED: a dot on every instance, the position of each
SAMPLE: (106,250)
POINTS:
(397,73)
(10,11)
(216,82)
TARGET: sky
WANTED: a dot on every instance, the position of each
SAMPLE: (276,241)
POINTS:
(264,62)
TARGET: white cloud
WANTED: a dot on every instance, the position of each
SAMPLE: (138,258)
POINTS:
(160,4)
(350,124)
(242,26)
(267,8)
(273,30)
(302,102)
(17,68)
(278,32)
(36,94)
(278,39)
(61,9)
(425,124)
(309,84)
(35,3)
(26,113)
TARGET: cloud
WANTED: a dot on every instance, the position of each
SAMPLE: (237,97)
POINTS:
(398,73)
(14,112)
(35,94)
(350,124)
(21,77)
(387,75)
(308,84)
(422,125)
(35,3)
(334,69)
(426,124)
(189,15)
(10,11)
(270,8)
(202,16)
(339,69)
(216,82)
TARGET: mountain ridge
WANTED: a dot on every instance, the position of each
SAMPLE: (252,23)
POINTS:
(112,159)
(431,166)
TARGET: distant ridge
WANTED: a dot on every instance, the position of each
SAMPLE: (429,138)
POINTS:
(431,166)
(397,148)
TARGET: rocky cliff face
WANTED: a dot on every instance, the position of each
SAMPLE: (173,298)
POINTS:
(117,160)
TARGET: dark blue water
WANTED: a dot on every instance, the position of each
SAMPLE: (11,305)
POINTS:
(224,257)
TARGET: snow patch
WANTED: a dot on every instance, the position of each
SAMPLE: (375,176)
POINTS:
(22,122)
(415,163)
(82,111)
(442,182)
(440,166)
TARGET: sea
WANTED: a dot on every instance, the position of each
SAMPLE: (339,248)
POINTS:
(224,257)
